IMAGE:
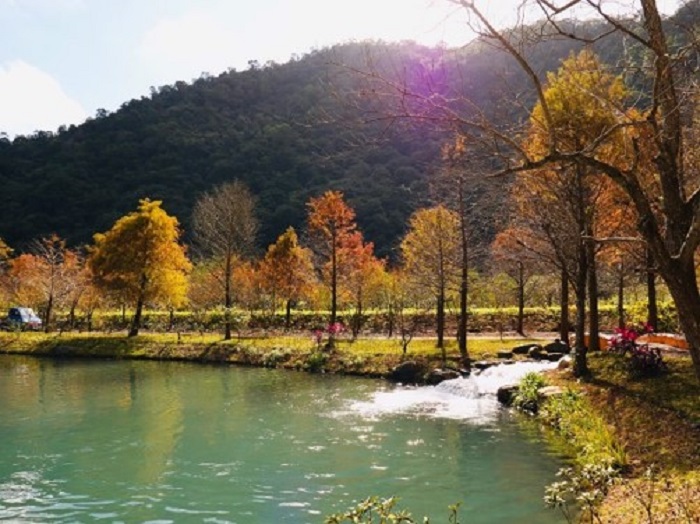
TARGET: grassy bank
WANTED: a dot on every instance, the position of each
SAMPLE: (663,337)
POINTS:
(648,432)
(374,357)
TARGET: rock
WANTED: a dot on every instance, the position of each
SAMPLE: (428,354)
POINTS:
(483,364)
(565,362)
(550,391)
(504,353)
(553,357)
(409,372)
(524,349)
(536,353)
(440,375)
(506,394)
(557,347)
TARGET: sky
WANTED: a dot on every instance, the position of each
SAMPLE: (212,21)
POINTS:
(62,60)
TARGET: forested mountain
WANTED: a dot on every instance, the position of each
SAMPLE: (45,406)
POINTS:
(289,131)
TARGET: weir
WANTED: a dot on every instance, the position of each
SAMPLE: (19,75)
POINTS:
(472,398)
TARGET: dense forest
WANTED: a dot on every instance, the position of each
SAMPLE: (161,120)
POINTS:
(289,131)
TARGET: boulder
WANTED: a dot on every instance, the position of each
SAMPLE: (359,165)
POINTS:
(557,347)
(506,394)
(524,349)
(565,362)
(483,364)
(504,353)
(440,375)
(536,353)
(549,391)
(409,372)
(553,357)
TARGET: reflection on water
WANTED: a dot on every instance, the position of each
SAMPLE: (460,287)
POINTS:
(143,441)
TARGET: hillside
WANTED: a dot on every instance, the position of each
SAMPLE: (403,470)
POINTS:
(288,130)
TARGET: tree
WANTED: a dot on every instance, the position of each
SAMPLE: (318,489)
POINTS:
(332,229)
(140,257)
(23,280)
(668,210)
(225,227)
(470,195)
(55,271)
(363,277)
(519,263)
(287,270)
(431,257)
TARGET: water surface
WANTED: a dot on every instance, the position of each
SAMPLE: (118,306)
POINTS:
(130,441)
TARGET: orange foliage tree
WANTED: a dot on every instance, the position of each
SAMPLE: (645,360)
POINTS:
(333,231)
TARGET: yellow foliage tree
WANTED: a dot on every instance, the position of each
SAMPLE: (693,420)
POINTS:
(431,256)
(141,258)
(580,104)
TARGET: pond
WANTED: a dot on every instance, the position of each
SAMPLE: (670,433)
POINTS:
(135,441)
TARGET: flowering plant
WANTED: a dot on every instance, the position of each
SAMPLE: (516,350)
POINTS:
(644,360)
(332,330)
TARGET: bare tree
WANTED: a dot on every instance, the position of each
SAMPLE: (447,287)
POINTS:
(653,172)
(225,228)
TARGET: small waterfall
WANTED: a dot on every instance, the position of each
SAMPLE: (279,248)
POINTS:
(471,398)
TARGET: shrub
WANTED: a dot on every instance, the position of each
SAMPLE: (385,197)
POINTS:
(373,510)
(583,489)
(642,360)
(315,361)
(526,398)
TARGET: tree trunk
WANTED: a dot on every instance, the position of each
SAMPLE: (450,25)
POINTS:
(136,322)
(357,324)
(682,285)
(464,278)
(652,309)
(462,329)
(580,351)
(621,297)
(441,323)
(593,316)
(391,313)
(71,316)
(47,316)
(288,315)
(227,298)
(564,313)
(334,281)
(520,328)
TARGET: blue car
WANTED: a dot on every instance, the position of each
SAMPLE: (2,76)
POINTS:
(22,318)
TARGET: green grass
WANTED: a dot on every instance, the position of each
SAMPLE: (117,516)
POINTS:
(100,343)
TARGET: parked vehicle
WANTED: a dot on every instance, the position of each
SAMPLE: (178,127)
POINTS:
(22,318)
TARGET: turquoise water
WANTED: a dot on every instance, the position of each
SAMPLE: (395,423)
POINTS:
(129,441)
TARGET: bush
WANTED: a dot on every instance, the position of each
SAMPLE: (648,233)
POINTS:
(373,510)
(526,398)
(315,361)
(641,359)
